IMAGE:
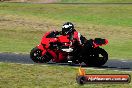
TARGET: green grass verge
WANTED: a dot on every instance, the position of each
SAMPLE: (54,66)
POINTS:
(40,76)
(95,1)
(75,1)
(23,25)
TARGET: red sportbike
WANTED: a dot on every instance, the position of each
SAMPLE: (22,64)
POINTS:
(61,49)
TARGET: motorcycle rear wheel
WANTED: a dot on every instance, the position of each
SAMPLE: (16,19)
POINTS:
(98,58)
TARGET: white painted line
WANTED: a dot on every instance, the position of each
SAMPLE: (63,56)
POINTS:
(27,64)
(23,53)
(95,69)
(102,69)
(122,71)
(124,61)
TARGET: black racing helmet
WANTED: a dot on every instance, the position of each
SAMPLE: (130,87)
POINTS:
(67,28)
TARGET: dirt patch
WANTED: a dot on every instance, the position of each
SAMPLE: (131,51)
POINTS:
(49,1)
(16,23)
(42,1)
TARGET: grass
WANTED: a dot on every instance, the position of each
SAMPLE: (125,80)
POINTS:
(96,1)
(41,76)
(23,25)
(77,1)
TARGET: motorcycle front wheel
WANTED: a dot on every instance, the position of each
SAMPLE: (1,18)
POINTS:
(36,56)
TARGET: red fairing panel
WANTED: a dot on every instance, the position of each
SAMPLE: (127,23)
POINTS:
(42,48)
(58,56)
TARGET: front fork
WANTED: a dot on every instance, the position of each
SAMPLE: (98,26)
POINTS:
(44,50)
(41,47)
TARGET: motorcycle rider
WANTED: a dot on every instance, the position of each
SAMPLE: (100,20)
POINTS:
(74,36)
(76,39)
(68,30)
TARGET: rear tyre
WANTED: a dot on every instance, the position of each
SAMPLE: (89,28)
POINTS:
(36,56)
(98,58)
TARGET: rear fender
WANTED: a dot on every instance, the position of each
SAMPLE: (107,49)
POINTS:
(99,42)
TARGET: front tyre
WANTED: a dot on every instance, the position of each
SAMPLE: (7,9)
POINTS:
(36,56)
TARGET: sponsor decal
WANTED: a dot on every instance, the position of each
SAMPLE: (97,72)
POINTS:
(83,78)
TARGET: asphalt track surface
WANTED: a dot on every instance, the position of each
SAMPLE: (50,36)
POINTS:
(124,65)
